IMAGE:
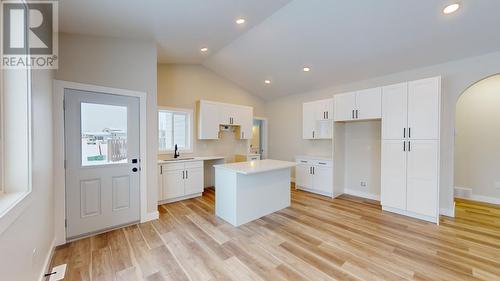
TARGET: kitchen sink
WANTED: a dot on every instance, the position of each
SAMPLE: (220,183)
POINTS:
(178,159)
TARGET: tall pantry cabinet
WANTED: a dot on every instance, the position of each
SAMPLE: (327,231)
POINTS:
(410,148)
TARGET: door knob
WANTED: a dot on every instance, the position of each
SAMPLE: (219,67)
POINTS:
(134,169)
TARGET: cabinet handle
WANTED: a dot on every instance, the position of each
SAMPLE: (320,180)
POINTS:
(357,114)
(321,163)
(303,161)
(404,146)
(313,171)
(183,174)
(187,175)
(310,170)
(404,132)
(409,146)
(353,114)
(327,113)
(161,170)
(409,132)
(313,134)
(242,135)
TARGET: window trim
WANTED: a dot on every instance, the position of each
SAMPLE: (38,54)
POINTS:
(13,203)
(190,113)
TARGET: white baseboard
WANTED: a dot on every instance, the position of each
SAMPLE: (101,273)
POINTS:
(447,212)
(410,214)
(459,193)
(48,259)
(362,194)
(151,216)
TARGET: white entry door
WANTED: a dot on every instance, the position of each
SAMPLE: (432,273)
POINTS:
(102,161)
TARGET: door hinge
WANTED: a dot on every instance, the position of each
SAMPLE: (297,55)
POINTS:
(65,223)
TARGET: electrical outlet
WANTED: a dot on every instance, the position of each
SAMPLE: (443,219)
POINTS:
(363,184)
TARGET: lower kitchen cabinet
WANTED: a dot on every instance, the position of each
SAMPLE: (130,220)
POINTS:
(314,175)
(178,181)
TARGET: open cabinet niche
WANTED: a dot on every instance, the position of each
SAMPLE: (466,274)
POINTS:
(357,158)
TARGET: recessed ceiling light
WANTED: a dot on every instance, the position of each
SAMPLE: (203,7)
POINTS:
(451,8)
(267,81)
(204,50)
(240,21)
(306,69)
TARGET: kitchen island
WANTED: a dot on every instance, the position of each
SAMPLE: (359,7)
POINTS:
(246,191)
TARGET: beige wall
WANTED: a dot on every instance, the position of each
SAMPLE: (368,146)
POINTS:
(34,228)
(285,114)
(477,139)
(183,85)
(117,63)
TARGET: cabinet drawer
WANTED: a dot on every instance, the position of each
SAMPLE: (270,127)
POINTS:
(173,167)
(323,163)
(194,164)
(303,161)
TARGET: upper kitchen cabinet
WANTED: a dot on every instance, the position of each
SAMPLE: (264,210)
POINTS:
(424,105)
(316,119)
(411,110)
(360,105)
(208,120)
(213,114)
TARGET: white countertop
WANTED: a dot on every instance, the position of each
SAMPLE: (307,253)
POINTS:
(192,159)
(257,166)
(313,157)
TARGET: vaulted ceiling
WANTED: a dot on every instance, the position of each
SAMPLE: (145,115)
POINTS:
(340,40)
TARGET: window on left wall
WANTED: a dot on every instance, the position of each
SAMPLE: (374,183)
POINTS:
(15,141)
(175,128)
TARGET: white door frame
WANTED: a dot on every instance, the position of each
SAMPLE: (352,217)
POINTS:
(59,170)
(265,126)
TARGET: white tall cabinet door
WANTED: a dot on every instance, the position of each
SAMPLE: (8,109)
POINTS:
(173,184)
(344,106)
(422,177)
(424,108)
(308,120)
(303,176)
(393,174)
(394,113)
(193,182)
(323,179)
(369,103)
(208,121)
(246,123)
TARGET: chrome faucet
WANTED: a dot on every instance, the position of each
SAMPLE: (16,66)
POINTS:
(176,152)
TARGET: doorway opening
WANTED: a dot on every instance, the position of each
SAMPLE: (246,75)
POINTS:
(477,135)
(258,143)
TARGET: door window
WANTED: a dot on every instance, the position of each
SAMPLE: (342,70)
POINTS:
(103,134)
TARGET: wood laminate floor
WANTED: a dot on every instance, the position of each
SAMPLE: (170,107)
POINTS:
(317,238)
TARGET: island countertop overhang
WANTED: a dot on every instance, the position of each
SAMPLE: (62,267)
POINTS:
(255,167)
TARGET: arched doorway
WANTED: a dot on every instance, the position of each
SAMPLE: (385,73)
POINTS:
(477,146)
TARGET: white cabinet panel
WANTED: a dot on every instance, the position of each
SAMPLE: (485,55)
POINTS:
(344,105)
(369,104)
(422,179)
(303,176)
(393,174)
(173,184)
(424,108)
(323,179)
(394,111)
(308,120)
(208,121)
(246,123)
(193,182)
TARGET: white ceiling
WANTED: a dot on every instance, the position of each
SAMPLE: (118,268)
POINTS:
(179,27)
(342,40)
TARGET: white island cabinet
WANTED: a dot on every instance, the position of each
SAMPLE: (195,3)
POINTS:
(246,191)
